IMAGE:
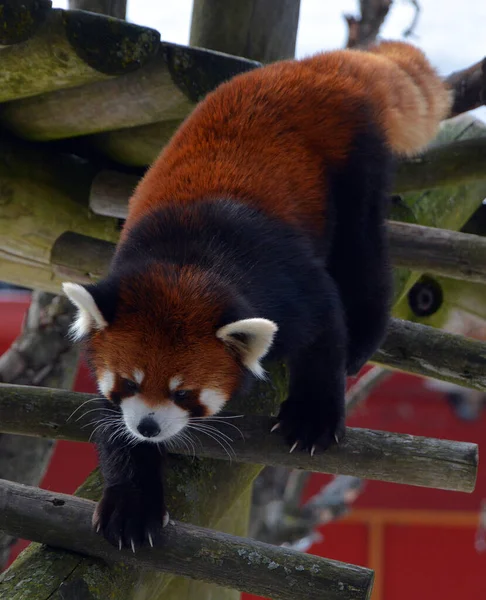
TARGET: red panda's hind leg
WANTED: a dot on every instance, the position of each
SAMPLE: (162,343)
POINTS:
(312,417)
(358,258)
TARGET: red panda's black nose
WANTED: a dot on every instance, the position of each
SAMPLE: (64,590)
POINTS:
(148,427)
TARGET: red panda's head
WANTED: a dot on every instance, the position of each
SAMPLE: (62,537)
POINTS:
(161,348)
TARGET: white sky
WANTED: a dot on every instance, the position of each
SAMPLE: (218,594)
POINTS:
(451,32)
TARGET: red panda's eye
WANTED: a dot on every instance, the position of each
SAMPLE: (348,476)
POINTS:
(180,395)
(130,387)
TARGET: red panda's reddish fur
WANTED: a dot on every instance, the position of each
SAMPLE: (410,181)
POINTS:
(258,232)
(270,136)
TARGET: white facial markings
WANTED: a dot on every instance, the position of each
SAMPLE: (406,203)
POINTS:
(175,382)
(106,383)
(213,400)
(138,376)
(169,417)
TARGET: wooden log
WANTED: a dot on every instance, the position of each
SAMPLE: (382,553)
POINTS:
(398,458)
(136,146)
(88,48)
(20,20)
(264,30)
(429,352)
(244,564)
(114,8)
(166,88)
(440,166)
(81,258)
(42,195)
(438,251)
(469,87)
(110,192)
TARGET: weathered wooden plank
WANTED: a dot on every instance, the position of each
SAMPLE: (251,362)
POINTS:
(438,251)
(443,165)
(244,564)
(264,30)
(165,89)
(430,352)
(364,453)
(72,48)
(20,20)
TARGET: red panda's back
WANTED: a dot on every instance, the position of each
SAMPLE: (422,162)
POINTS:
(264,137)
(270,136)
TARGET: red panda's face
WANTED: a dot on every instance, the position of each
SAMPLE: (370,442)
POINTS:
(160,384)
(163,356)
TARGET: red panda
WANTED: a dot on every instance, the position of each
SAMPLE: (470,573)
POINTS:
(258,232)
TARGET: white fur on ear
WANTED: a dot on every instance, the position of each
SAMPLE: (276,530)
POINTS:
(252,338)
(89,315)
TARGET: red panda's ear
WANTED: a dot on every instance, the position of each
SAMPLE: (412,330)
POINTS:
(252,339)
(89,315)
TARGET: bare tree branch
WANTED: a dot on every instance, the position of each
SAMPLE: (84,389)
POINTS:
(411,28)
(42,355)
(363,30)
(469,87)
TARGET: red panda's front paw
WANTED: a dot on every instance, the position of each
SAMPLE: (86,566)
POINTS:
(130,518)
(309,427)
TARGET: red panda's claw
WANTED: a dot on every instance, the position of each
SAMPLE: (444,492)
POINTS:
(119,544)
(132,544)
(275,427)
(313,450)
(151,541)
(294,446)
(165,519)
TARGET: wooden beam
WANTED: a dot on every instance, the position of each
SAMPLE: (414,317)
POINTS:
(469,87)
(430,352)
(88,48)
(440,166)
(264,30)
(240,563)
(438,251)
(394,457)
(165,89)
(20,20)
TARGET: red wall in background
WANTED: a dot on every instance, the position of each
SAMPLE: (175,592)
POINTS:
(419,541)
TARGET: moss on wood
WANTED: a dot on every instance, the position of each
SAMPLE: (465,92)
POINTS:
(72,48)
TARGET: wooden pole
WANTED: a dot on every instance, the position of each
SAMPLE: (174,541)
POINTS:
(264,30)
(240,563)
(438,251)
(20,20)
(34,68)
(165,89)
(398,458)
